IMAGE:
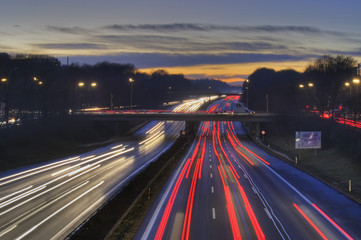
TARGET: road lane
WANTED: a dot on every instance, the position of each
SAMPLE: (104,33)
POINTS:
(50,200)
(254,195)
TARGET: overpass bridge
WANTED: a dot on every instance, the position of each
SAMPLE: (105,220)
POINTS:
(190,118)
(173,116)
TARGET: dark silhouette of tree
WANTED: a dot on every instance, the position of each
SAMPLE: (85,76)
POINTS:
(275,90)
(39,87)
(329,74)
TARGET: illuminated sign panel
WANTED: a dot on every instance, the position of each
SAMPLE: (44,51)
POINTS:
(308,140)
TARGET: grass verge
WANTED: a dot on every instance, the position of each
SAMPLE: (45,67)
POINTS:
(332,164)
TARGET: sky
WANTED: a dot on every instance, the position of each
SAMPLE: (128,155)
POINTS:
(227,39)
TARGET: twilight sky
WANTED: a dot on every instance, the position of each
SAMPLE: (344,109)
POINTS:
(200,38)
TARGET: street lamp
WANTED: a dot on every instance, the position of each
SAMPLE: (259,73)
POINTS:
(131,80)
(301,86)
(35,79)
(4,80)
(81,84)
(93,84)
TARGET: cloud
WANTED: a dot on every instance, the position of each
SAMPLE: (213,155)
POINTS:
(71,46)
(181,27)
(70,30)
(154,60)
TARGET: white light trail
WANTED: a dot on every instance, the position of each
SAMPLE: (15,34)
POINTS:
(84,162)
(7,230)
(42,170)
(118,146)
(152,138)
(14,193)
(21,196)
(50,189)
(59,210)
(155,128)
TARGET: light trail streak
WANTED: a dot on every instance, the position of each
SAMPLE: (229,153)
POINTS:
(115,153)
(153,129)
(59,210)
(239,152)
(88,157)
(250,212)
(170,203)
(115,147)
(50,189)
(21,196)
(37,209)
(42,170)
(332,222)
(193,157)
(14,193)
(7,230)
(152,138)
(33,169)
(239,144)
(230,209)
(188,215)
(310,222)
(202,158)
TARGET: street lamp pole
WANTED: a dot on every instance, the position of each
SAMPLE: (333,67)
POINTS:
(247,87)
(4,81)
(131,80)
(356,81)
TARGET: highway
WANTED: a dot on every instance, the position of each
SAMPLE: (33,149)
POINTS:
(228,188)
(50,200)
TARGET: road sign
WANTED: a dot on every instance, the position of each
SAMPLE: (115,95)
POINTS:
(308,140)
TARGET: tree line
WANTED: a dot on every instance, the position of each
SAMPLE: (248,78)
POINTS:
(40,86)
(328,83)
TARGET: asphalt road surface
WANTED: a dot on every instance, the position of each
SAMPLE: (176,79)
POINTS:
(228,188)
(50,200)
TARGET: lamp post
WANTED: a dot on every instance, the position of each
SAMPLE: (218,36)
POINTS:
(4,81)
(247,87)
(347,84)
(312,85)
(356,81)
(131,80)
(90,86)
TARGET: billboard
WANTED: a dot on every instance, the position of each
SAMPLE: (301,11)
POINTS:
(308,140)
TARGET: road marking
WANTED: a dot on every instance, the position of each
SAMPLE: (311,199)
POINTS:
(211,175)
(212,189)
(268,213)
(245,176)
(210,155)
(210,166)
(214,213)
(254,190)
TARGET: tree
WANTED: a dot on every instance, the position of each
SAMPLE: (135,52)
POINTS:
(275,90)
(328,74)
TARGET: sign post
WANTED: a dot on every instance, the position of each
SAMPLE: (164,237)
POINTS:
(308,140)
